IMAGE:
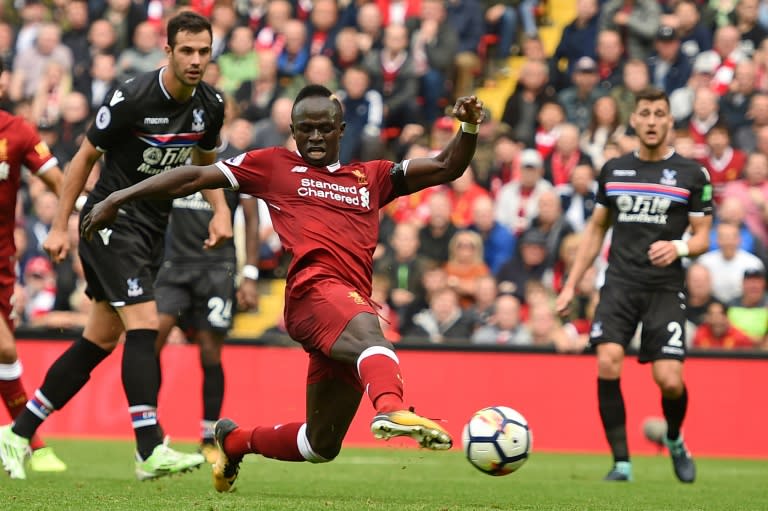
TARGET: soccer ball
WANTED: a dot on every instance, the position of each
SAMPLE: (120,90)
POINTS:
(497,440)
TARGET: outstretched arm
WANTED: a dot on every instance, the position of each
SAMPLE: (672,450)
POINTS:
(179,182)
(454,159)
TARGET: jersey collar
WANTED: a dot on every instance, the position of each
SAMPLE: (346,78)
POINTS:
(162,85)
(333,167)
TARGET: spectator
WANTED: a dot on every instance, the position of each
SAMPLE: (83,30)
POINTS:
(749,312)
(723,162)
(240,63)
(578,99)
(268,31)
(45,204)
(276,129)
(717,332)
(54,86)
(223,21)
(444,322)
(565,157)
(604,125)
(734,104)
(578,38)
(319,71)
(752,191)
(124,16)
(370,23)
(745,138)
(517,201)
(363,113)
(726,47)
(498,242)
(466,18)
(505,164)
(465,265)
(702,72)
(434,44)
(577,198)
(744,18)
(728,263)
(484,302)
(75,37)
(464,192)
(144,55)
(610,58)
(521,108)
(698,284)
(396,11)
(695,37)
(294,53)
(529,263)
(635,78)
(637,21)
(393,73)
(255,98)
(732,211)
(668,67)
(551,116)
(346,52)
(552,224)
(505,327)
(436,235)
(388,320)
(39,290)
(705,115)
(322,27)
(30,64)
(404,268)
(102,79)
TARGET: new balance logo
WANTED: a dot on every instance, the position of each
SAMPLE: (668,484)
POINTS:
(105,234)
(117,97)
(299,169)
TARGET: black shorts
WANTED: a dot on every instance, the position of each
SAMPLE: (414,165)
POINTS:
(662,314)
(200,298)
(120,263)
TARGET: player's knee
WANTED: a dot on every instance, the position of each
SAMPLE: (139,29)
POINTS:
(671,385)
(318,448)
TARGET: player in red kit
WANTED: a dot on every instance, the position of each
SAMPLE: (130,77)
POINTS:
(20,144)
(327,216)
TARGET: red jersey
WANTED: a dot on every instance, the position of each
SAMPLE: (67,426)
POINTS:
(326,217)
(20,144)
(724,170)
(733,338)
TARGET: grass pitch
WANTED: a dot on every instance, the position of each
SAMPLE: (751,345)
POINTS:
(100,477)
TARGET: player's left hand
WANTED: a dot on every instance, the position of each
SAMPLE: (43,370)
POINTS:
(248,295)
(662,253)
(103,214)
(219,230)
(469,109)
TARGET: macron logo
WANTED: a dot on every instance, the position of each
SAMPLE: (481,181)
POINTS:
(117,97)
(299,169)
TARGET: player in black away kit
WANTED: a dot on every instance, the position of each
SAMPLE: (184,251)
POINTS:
(650,198)
(146,126)
(195,289)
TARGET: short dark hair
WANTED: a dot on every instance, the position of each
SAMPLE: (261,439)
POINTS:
(315,90)
(187,21)
(651,94)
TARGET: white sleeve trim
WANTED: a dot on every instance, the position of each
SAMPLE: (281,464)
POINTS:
(405,166)
(45,167)
(230,176)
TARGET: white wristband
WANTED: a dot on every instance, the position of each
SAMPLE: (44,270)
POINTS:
(681,247)
(470,128)
(250,272)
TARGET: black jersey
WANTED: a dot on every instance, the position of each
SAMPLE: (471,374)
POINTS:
(650,201)
(143,131)
(189,228)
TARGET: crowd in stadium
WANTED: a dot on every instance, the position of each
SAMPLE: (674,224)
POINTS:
(479,261)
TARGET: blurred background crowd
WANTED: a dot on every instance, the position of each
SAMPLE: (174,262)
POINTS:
(479,261)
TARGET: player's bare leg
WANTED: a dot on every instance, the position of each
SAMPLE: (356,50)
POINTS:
(363,344)
(668,375)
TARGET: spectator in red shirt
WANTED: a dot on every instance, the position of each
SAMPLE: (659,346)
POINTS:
(716,332)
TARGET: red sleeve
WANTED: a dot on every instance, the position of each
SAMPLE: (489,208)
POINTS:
(383,181)
(37,156)
(251,172)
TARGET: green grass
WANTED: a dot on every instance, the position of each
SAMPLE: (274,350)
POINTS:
(100,477)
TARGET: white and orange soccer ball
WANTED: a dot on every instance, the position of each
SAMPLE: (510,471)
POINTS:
(497,440)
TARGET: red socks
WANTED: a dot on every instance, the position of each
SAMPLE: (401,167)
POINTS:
(379,371)
(279,442)
(15,400)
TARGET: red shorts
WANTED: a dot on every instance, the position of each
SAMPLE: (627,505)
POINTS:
(315,315)
(7,284)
